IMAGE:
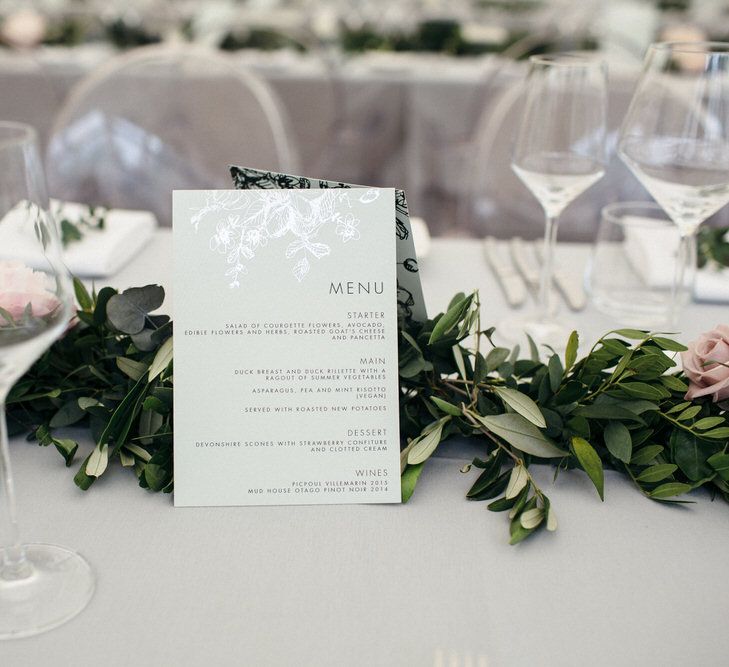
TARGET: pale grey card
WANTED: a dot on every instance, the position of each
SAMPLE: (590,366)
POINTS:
(286,368)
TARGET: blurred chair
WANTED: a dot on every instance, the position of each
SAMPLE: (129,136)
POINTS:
(161,118)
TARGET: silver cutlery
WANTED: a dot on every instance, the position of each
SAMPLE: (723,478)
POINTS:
(509,279)
(527,258)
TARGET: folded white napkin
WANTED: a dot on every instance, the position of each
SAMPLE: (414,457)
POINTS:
(98,254)
(652,249)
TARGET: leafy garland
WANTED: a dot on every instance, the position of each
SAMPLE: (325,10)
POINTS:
(74,230)
(621,406)
(713,247)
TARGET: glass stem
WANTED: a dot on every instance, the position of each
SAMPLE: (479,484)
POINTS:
(685,258)
(14,564)
(544,299)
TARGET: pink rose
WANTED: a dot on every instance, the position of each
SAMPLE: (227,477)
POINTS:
(706,364)
(20,286)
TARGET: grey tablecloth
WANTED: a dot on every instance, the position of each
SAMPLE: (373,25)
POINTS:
(625,582)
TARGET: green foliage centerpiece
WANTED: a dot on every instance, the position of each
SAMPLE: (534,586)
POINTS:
(621,406)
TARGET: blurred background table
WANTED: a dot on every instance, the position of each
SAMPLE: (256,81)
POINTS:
(440,127)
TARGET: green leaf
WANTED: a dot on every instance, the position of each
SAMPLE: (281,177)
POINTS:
(670,489)
(82,295)
(460,363)
(522,434)
(68,414)
(156,476)
(161,360)
(689,413)
(645,455)
(490,472)
(717,433)
(480,370)
(7,317)
(673,383)
(678,407)
(644,390)
(450,319)
(409,479)
(445,406)
(591,463)
(496,357)
(501,505)
(657,472)
(426,444)
(606,411)
(532,518)
(133,369)
(522,404)
(128,311)
(518,480)
(618,442)
(551,520)
(708,422)
(81,479)
(570,355)
(102,299)
(138,451)
(98,460)
(555,372)
(67,449)
(691,454)
(720,463)
(633,334)
(668,344)
(533,351)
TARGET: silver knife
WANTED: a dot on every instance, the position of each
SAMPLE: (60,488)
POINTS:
(511,282)
(526,263)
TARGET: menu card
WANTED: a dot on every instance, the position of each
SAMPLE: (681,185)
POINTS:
(286,369)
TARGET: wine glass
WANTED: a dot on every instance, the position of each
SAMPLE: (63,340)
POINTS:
(558,153)
(41,585)
(674,139)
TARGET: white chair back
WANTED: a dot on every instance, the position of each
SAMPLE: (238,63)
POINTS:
(161,118)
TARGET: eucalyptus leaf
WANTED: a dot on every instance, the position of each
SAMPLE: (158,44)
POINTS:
(128,311)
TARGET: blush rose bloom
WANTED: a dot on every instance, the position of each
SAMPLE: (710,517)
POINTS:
(20,286)
(702,364)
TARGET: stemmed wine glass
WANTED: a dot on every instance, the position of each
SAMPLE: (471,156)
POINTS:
(558,153)
(41,585)
(674,139)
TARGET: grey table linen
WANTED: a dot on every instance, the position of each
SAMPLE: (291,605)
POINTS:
(433,582)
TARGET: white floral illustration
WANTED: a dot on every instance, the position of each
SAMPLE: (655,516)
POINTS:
(251,218)
(347,228)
